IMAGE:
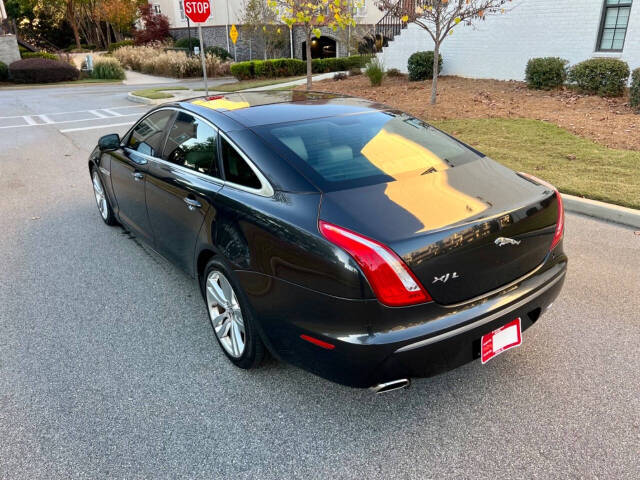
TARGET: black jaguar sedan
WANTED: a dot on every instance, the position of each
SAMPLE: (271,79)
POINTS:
(341,235)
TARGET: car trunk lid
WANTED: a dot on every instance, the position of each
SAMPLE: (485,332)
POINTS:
(463,231)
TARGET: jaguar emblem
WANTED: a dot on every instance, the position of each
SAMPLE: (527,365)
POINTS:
(502,241)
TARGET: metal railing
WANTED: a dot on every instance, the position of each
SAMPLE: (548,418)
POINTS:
(391,24)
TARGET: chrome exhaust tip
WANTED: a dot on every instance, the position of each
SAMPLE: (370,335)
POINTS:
(391,386)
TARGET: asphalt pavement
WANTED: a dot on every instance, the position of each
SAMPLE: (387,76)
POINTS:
(109,367)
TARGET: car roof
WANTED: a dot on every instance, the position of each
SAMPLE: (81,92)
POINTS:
(254,108)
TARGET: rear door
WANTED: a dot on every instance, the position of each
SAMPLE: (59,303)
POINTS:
(181,187)
(129,167)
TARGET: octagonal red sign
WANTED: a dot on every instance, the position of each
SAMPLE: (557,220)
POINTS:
(197,10)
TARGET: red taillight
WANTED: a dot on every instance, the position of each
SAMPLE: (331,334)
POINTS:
(559,233)
(391,280)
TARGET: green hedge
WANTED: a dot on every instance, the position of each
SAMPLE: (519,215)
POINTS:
(601,76)
(281,67)
(546,73)
(4,72)
(116,45)
(288,67)
(634,92)
(326,65)
(47,55)
(420,66)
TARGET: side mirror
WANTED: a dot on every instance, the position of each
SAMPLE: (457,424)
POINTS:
(109,142)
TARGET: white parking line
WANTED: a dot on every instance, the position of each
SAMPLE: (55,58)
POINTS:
(73,111)
(98,114)
(46,119)
(95,127)
(34,124)
(111,112)
(27,119)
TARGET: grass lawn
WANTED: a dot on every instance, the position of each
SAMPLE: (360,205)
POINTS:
(157,93)
(248,84)
(575,165)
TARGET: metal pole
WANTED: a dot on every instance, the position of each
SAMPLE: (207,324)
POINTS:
(291,39)
(204,64)
(189,33)
(228,47)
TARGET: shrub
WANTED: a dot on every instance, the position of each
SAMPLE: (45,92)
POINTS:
(546,73)
(355,71)
(602,76)
(171,63)
(4,72)
(48,55)
(42,70)
(219,52)
(188,43)
(394,72)
(281,67)
(243,70)
(420,66)
(106,68)
(116,45)
(375,72)
(634,91)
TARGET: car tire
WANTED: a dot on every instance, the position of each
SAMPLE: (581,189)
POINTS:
(102,201)
(231,317)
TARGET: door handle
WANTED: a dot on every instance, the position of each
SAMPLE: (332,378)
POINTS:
(192,204)
(137,176)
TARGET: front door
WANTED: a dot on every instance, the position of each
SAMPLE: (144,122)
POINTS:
(129,168)
(181,188)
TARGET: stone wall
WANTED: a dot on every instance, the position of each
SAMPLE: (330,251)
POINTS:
(9,52)
(252,46)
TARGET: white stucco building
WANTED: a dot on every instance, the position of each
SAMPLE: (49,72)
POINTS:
(500,46)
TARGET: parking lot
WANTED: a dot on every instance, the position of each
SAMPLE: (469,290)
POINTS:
(109,367)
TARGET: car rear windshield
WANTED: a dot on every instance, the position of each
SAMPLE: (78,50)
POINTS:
(364,149)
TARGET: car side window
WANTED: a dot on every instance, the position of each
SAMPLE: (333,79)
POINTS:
(236,169)
(192,143)
(147,136)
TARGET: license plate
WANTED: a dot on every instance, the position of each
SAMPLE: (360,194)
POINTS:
(500,340)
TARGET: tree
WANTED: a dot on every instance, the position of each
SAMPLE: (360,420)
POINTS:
(155,26)
(258,17)
(313,14)
(120,15)
(438,18)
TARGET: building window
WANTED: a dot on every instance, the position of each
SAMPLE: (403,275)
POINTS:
(613,29)
(156,8)
(183,17)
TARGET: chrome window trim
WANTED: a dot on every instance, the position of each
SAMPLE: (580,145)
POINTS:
(266,190)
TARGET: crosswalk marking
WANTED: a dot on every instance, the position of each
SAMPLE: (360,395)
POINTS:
(29,120)
(46,119)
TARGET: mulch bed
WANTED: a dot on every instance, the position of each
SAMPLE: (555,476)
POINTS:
(609,121)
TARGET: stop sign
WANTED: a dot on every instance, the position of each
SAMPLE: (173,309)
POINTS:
(197,10)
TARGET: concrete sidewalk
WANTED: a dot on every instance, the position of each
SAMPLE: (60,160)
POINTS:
(137,78)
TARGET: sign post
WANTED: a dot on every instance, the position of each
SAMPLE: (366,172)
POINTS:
(233,34)
(198,11)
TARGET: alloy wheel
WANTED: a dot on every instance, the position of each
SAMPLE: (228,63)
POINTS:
(101,198)
(225,313)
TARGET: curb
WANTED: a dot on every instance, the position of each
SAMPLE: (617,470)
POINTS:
(145,101)
(602,210)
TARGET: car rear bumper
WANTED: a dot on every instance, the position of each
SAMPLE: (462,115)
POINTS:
(375,344)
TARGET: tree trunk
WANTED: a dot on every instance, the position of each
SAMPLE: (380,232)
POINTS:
(309,68)
(436,72)
(71,18)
